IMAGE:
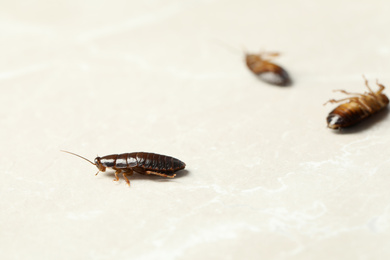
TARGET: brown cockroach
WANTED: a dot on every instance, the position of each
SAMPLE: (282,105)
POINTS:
(261,65)
(358,108)
(143,163)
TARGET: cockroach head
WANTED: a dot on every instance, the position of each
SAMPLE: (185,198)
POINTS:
(99,164)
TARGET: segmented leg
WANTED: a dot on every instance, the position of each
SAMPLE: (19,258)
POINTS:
(340,100)
(352,99)
(348,93)
(367,107)
(381,87)
(130,172)
(116,175)
(161,174)
(269,55)
(366,82)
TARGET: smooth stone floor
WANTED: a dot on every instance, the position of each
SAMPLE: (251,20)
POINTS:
(265,177)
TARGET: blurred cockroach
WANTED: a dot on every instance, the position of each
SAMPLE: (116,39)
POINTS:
(267,71)
(261,65)
(359,107)
(143,163)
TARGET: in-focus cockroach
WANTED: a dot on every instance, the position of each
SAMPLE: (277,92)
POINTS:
(358,108)
(261,65)
(143,163)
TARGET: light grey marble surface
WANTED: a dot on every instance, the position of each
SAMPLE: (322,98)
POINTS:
(265,178)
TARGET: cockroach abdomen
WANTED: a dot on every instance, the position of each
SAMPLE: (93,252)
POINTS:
(280,78)
(335,121)
(267,71)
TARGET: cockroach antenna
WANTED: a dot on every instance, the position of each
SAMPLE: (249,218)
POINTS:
(78,156)
(230,47)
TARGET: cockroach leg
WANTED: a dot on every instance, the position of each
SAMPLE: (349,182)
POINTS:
(364,105)
(337,101)
(116,175)
(161,174)
(381,87)
(347,93)
(271,54)
(268,56)
(351,99)
(366,83)
(125,176)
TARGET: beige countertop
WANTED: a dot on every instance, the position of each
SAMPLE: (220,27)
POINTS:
(265,177)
